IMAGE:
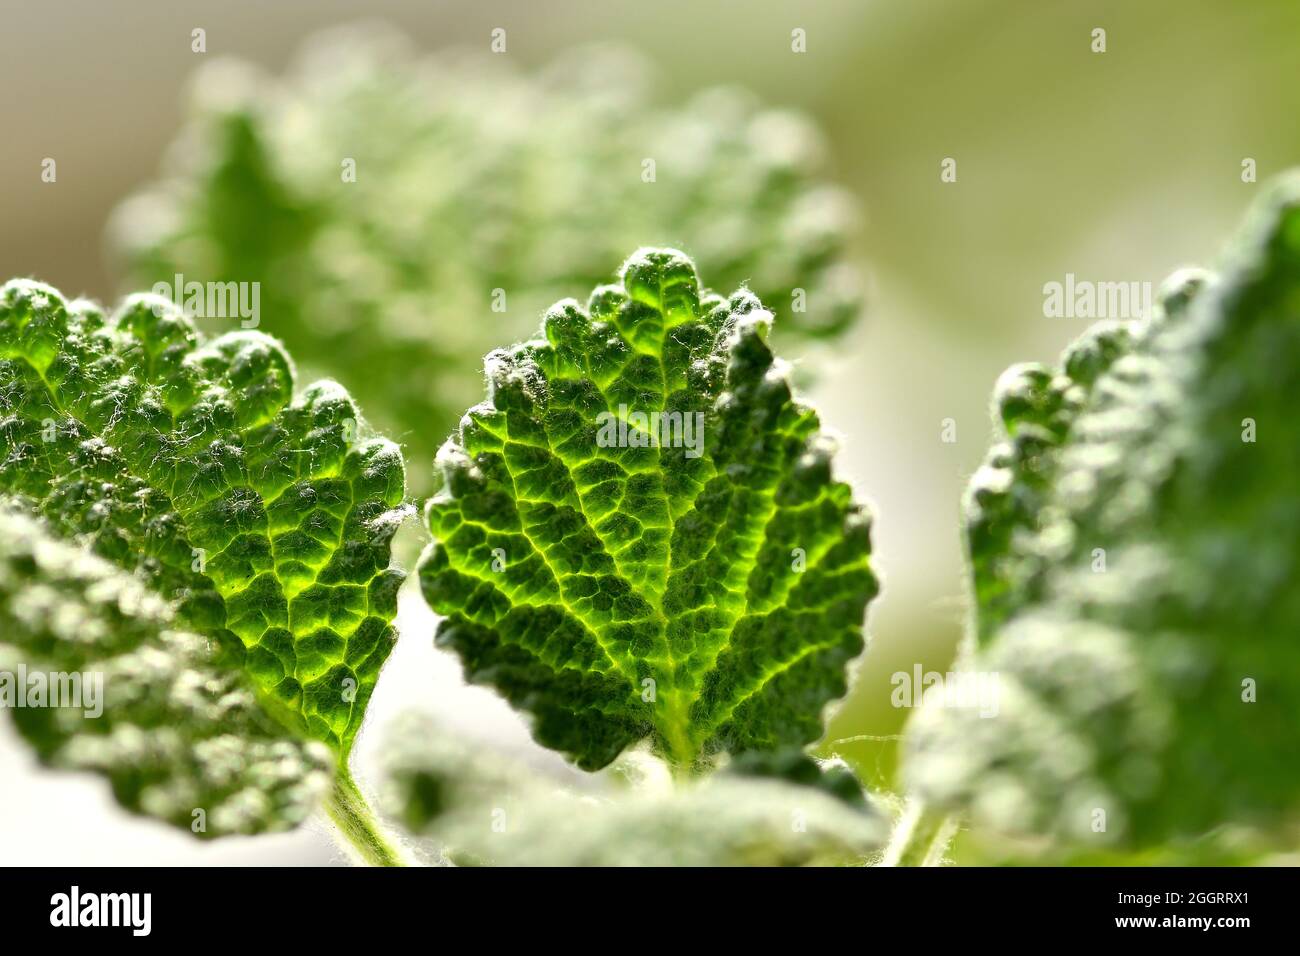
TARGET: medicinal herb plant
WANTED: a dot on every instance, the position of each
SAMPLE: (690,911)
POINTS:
(176,515)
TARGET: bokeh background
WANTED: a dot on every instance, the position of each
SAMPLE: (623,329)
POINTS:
(1116,167)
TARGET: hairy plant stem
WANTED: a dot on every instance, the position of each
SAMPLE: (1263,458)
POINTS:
(348,808)
(920,838)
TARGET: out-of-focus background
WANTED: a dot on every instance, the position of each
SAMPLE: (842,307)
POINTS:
(1114,166)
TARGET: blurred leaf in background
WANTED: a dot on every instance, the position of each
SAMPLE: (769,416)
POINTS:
(405,215)
(478,807)
(1135,540)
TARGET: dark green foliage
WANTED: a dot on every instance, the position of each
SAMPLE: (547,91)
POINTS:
(264,517)
(710,601)
(1135,542)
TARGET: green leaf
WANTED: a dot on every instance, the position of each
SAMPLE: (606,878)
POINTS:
(179,733)
(483,809)
(706,591)
(832,776)
(263,518)
(477,189)
(1134,549)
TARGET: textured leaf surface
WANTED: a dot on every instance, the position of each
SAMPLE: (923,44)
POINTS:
(265,518)
(472,178)
(178,731)
(1126,684)
(708,598)
(483,809)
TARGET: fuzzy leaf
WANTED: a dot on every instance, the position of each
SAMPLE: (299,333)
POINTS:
(483,809)
(178,732)
(706,591)
(480,196)
(1135,549)
(264,518)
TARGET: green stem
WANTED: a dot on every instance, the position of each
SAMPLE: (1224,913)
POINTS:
(352,815)
(921,837)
